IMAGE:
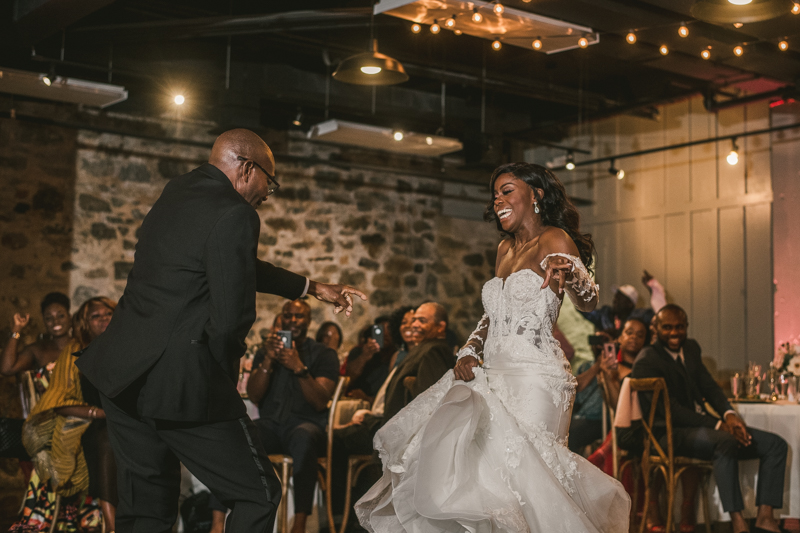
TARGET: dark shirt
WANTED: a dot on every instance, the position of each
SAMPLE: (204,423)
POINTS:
(375,371)
(284,398)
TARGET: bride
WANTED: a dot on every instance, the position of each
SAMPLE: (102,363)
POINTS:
(485,448)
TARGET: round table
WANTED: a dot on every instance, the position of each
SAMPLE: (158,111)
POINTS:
(781,418)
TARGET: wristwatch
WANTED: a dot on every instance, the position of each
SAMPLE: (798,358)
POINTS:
(302,372)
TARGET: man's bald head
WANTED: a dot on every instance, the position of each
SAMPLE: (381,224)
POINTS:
(234,153)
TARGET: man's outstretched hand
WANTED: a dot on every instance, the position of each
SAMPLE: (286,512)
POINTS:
(341,296)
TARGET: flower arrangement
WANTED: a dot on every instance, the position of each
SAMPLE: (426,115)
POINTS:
(787,357)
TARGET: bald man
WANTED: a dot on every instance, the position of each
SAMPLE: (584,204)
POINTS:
(167,366)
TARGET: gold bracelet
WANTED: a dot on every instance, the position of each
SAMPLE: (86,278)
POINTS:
(16,335)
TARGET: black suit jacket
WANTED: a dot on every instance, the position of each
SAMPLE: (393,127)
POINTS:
(427,362)
(686,387)
(178,332)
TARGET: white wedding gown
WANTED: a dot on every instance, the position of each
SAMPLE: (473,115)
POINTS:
(490,455)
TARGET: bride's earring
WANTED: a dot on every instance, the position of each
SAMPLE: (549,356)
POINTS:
(536,207)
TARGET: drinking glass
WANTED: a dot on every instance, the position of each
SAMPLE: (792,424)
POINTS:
(736,385)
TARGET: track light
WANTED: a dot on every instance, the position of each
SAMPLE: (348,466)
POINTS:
(631,37)
(783,46)
(706,54)
(498,8)
(617,172)
(663,49)
(435,28)
(537,44)
(416,28)
(497,45)
(451,22)
(683,31)
(397,135)
(570,161)
(476,17)
(583,42)
(733,156)
(47,80)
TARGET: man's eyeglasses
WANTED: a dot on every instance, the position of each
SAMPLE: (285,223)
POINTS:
(272,183)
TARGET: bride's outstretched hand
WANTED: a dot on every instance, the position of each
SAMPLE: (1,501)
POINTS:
(464,366)
(558,268)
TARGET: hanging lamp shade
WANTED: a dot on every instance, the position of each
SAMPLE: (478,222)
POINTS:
(371,68)
(724,12)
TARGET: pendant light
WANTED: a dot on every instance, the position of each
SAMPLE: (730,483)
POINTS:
(371,68)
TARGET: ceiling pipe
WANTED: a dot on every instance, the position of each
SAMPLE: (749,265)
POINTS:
(713,106)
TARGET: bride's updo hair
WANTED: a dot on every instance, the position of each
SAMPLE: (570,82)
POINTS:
(554,208)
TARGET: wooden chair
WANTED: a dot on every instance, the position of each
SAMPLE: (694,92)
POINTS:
(656,459)
(283,465)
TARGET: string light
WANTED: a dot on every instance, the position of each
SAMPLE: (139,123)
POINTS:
(476,17)
(663,49)
(683,31)
(783,46)
(583,42)
(737,25)
(397,135)
(537,44)
(416,28)
(631,37)
(435,28)
(614,171)
(795,9)
(706,54)
(738,51)
(457,32)
(497,45)
(733,156)
(570,161)
(498,8)
(451,22)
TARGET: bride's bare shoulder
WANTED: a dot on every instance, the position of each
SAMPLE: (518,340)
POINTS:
(556,240)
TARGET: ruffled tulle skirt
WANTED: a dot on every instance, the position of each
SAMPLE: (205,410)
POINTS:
(490,455)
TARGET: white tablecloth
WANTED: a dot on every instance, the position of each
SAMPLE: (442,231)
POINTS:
(782,418)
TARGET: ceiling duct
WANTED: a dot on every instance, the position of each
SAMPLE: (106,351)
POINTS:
(724,12)
(510,26)
(387,139)
(60,89)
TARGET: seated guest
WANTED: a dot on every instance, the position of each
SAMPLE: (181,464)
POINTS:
(635,335)
(292,387)
(400,323)
(367,364)
(623,305)
(587,412)
(66,433)
(700,434)
(330,334)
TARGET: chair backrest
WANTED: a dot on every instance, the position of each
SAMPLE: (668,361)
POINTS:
(658,387)
(341,386)
(611,415)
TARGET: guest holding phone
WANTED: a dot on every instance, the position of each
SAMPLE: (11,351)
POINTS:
(368,364)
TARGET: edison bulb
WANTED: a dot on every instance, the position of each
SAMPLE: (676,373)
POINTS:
(435,28)
(537,44)
(630,38)
(570,165)
(429,140)
(397,135)
(583,42)
(477,17)
(416,28)
(738,50)
(457,32)
(497,45)
(663,49)
(733,157)
(705,54)
(179,99)
(683,31)
(783,45)
(498,9)
(450,23)
(795,9)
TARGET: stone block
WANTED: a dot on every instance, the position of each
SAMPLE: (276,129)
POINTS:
(49,200)
(102,232)
(473,260)
(135,172)
(93,204)
(97,273)
(369,264)
(281,223)
(321,226)
(350,276)
(14,240)
(384,298)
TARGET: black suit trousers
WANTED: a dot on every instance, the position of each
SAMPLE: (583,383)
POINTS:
(725,452)
(225,456)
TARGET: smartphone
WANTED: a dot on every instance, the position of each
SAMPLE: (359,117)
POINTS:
(377,334)
(596,340)
(610,350)
(286,338)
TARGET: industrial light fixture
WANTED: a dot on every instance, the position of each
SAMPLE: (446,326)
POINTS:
(371,68)
(631,37)
(663,49)
(738,50)
(498,8)
(728,12)
(382,138)
(435,28)
(179,99)
(583,42)
(570,161)
(48,86)
(450,22)
(496,45)
(477,18)
(617,172)
(537,44)
(733,156)
(416,28)
(706,54)
(783,46)
(47,80)
(683,31)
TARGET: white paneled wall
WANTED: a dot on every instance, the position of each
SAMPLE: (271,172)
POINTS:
(700,225)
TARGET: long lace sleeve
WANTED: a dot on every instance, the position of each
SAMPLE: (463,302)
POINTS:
(474,345)
(582,283)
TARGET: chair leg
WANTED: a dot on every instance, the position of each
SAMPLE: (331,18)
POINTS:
(329,501)
(347,495)
(670,481)
(284,520)
(56,510)
(637,473)
(706,510)
(647,480)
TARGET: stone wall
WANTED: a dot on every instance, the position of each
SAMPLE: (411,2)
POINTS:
(381,231)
